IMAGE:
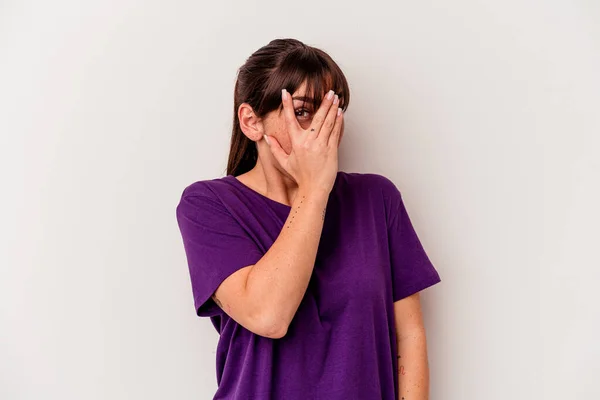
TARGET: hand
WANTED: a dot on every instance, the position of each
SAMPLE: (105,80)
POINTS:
(313,160)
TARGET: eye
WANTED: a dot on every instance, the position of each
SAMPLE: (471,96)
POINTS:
(302,111)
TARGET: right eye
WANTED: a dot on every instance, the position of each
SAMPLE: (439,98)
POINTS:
(302,111)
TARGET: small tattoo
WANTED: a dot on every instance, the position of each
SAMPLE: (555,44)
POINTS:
(296,212)
(323,214)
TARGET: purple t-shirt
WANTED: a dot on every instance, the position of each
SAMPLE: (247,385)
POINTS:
(341,343)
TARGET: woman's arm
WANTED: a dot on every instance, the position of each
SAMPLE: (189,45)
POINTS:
(264,297)
(413,367)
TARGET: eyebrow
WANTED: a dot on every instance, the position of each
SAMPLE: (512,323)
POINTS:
(303,98)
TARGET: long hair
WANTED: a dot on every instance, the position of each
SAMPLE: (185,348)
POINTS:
(283,63)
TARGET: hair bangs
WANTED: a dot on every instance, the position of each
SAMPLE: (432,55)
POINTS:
(306,65)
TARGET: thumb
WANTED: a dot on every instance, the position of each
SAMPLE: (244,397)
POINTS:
(278,152)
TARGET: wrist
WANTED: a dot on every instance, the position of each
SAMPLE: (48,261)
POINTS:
(313,195)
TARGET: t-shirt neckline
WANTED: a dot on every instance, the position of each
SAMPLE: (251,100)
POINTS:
(249,189)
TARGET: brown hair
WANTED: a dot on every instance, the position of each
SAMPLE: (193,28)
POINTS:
(283,63)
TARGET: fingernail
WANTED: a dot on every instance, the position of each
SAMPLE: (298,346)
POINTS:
(266,137)
(330,94)
(339,110)
(283,94)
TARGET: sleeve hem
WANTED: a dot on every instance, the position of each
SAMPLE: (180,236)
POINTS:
(429,281)
(204,304)
(206,307)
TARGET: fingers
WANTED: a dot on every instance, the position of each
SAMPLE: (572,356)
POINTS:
(288,112)
(329,121)
(321,113)
(334,138)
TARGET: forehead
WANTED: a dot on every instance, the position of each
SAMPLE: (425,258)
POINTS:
(301,95)
(301,91)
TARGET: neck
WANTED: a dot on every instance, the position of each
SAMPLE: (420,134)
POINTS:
(267,179)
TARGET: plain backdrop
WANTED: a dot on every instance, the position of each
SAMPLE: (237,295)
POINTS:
(485,114)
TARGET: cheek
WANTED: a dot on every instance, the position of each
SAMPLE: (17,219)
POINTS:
(278,130)
(275,128)
(304,123)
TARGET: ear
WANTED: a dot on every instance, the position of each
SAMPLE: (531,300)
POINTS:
(250,123)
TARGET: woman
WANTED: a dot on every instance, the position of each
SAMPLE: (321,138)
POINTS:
(310,275)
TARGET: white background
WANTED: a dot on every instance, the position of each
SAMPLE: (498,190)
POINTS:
(486,115)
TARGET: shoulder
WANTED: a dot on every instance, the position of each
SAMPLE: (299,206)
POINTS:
(370,182)
(203,195)
(370,191)
(206,187)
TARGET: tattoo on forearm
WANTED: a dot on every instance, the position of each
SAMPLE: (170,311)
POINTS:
(402,372)
(323,216)
(296,211)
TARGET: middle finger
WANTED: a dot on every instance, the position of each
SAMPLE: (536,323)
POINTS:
(329,122)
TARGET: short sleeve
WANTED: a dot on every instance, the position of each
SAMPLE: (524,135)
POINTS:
(412,270)
(215,244)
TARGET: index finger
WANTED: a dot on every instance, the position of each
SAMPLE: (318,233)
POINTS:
(288,110)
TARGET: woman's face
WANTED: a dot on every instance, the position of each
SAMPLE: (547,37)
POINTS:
(274,123)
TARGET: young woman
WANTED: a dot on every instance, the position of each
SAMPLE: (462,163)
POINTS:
(310,275)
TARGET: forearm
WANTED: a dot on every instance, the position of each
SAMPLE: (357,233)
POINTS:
(277,282)
(413,367)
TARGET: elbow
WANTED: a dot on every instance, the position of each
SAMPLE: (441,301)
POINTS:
(271,326)
(274,332)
